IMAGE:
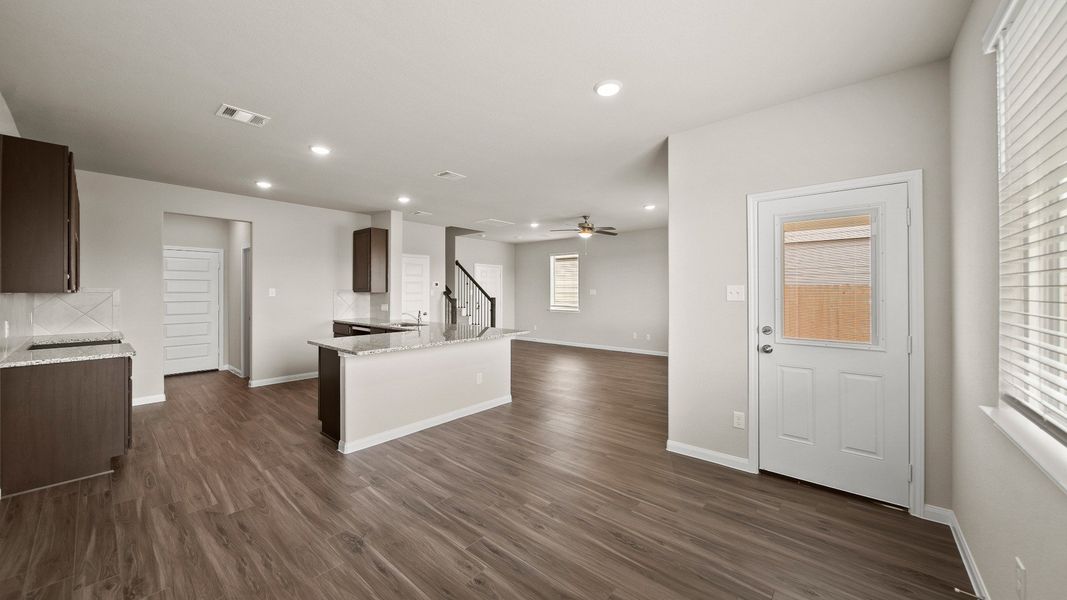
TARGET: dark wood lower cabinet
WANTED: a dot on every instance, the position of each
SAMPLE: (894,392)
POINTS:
(330,393)
(62,421)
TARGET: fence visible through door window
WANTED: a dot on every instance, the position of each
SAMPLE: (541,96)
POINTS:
(826,279)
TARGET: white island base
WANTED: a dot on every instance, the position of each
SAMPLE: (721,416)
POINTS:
(389,395)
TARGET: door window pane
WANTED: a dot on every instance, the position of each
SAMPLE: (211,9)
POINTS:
(826,279)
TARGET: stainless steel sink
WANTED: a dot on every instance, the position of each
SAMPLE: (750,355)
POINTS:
(48,346)
(406,324)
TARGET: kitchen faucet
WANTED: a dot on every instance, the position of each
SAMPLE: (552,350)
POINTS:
(417,315)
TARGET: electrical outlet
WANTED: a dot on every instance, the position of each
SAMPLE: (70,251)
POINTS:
(478,379)
(384,307)
(739,420)
(7,330)
(535,327)
(1020,579)
(635,335)
(648,337)
(735,293)
(272,292)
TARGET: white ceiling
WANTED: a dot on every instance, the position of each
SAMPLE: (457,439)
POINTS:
(499,90)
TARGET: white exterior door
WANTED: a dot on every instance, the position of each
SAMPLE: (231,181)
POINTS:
(833,340)
(415,298)
(191,310)
(491,277)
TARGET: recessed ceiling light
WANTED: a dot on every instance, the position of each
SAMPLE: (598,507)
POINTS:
(403,199)
(608,88)
(535,225)
(264,185)
(320,150)
(650,207)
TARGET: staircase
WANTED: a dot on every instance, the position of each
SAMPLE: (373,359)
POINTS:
(470,303)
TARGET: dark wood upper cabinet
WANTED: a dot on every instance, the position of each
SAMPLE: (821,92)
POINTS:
(39,217)
(370,260)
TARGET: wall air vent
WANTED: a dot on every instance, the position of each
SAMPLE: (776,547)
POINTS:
(450,175)
(493,223)
(241,115)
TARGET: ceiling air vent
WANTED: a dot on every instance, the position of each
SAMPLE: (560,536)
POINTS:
(241,115)
(450,175)
(493,223)
(421,213)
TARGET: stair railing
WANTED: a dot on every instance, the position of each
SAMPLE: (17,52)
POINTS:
(471,300)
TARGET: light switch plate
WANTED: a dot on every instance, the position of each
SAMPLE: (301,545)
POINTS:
(592,291)
(735,293)
(739,420)
(272,292)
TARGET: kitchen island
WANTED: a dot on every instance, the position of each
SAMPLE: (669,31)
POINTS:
(375,388)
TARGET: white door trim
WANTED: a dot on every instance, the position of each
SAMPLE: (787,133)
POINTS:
(222,291)
(916,318)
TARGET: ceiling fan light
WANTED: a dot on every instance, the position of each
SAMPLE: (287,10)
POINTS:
(585,234)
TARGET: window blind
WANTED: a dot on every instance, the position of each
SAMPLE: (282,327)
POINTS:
(564,294)
(1032,120)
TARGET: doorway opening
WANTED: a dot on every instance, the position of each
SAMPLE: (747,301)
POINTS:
(206,299)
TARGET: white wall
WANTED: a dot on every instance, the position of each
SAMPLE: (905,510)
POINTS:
(471,250)
(429,240)
(195,232)
(629,274)
(1006,506)
(239,237)
(303,252)
(894,123)
(7,122)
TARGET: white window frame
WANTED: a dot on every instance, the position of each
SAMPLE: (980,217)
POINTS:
(552,283)
(1042,443)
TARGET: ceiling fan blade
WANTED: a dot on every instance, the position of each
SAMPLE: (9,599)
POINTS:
(605,232)
(607,228)
(570,230)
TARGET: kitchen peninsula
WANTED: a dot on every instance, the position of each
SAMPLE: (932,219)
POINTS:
(378,387)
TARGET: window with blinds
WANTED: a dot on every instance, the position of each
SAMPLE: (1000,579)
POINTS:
(1031,55)
(564,275)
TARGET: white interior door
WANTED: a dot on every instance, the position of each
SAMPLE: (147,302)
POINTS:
(833,361)
(191,310)
(415,297)
(491,277)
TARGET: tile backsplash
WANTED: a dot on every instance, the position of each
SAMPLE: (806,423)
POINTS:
(88,311)
(350,305)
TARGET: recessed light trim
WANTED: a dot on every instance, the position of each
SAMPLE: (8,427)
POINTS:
(320,150)
(403,199)
(264,184)
(535,225)
(650,207)
(608,88)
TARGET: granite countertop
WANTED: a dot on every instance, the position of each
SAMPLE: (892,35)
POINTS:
(428,336)
(378,323)
(24,357)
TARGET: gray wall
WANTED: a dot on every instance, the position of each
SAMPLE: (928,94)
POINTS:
(303,252)
(1006,506)
(894,123)
(470,250)
(429,240)
(629,274)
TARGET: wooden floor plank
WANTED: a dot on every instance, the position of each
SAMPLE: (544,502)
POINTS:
(231,492)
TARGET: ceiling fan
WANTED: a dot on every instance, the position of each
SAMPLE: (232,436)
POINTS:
(586,229)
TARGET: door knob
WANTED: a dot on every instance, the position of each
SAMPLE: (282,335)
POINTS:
(766,348)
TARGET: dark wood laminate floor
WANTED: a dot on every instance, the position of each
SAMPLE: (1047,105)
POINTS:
(566,493)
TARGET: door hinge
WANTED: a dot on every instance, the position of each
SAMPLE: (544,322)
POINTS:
(911,472)
(909,345)
(907,216)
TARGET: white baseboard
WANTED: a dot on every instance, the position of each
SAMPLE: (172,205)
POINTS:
(398,432)
(234,370)
(948,517)
(594,346)
(149,399)
(283,379)
(719,458)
